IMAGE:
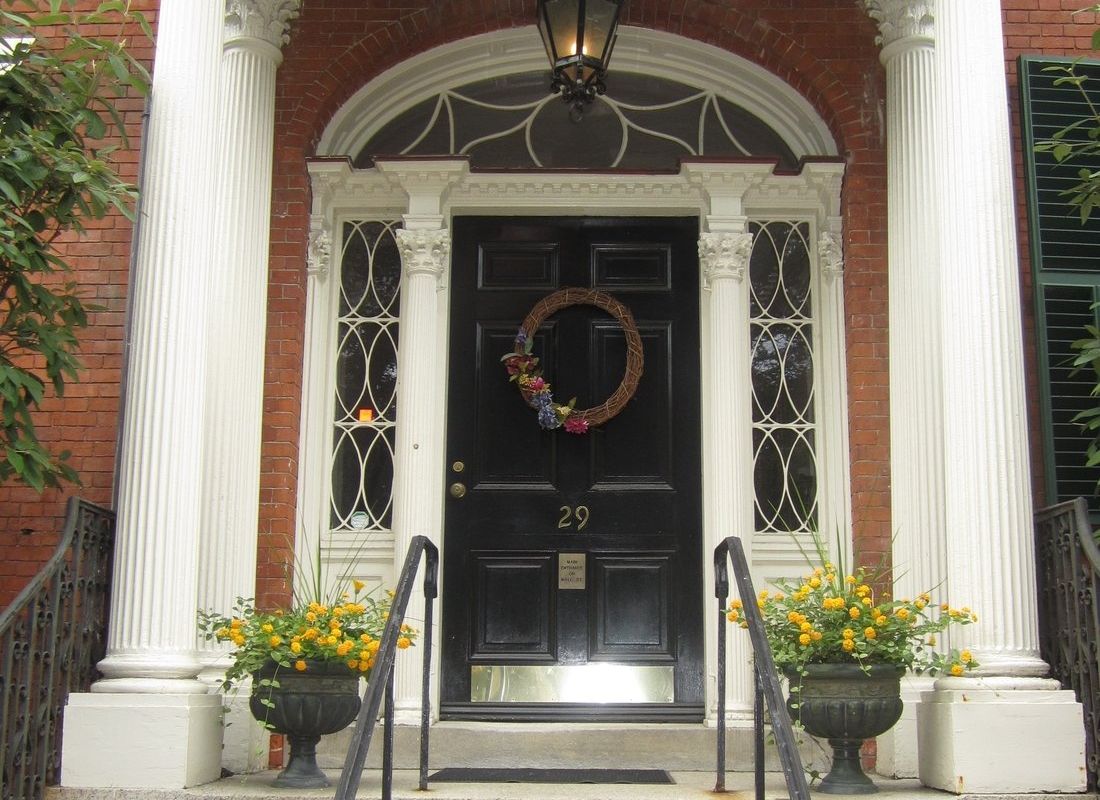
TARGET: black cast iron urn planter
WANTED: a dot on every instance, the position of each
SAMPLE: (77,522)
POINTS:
(846,704)
(305,706)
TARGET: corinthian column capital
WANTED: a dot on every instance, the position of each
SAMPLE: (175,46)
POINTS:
(900,20)
(724,254)
(265,20)
(425,251)
(830,253)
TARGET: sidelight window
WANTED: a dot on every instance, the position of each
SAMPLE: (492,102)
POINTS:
(366,378)
(783,403)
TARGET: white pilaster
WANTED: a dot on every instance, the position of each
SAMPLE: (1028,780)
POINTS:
(916,385)
(1011,711)
(255,30)
(425,246)
(151,636)
(724,249)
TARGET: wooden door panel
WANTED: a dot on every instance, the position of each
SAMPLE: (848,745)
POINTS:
(631,266)
(632,596)
(513,608)
(635,454)
(504,426)
(518,265)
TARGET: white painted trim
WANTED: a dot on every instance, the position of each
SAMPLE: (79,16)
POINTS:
(637,50)
(342,192)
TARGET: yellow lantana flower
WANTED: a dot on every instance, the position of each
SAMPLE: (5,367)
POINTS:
(403,642)
(300,665)
(804,639)
(848,645)
(956,670)
(870,633)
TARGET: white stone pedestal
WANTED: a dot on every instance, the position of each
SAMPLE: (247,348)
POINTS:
(982,738)
(897,748)
(165,741)
(245,741)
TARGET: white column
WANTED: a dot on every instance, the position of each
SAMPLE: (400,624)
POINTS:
(1009,730)
(255,30)
(724,249)
(916,385)
(425,246)
(149,722)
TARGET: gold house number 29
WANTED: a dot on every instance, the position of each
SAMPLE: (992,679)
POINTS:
(569,515)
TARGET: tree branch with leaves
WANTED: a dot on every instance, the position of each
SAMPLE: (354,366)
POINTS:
(59,124)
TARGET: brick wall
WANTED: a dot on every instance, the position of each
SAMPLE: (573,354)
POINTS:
(85,420)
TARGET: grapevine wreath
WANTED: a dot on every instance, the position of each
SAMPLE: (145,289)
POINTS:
(523,367)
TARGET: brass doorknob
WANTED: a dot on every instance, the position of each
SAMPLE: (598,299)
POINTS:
(457,490)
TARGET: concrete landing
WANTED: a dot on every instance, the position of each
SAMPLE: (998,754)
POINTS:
(688,786)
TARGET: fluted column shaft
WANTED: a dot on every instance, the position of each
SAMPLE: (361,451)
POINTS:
(988,507)
(151,638)
(425,247)
(727,449)
(916,384)
(237,311)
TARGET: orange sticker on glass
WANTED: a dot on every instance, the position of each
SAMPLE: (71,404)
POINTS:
(366,415)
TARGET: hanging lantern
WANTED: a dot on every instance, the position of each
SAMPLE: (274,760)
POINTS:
(579,36)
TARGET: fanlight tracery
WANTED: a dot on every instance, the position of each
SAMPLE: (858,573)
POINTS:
(643,122)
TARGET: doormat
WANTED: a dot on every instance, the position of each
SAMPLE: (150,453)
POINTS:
(487,775)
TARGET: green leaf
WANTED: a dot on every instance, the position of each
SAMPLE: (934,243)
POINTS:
(9,191)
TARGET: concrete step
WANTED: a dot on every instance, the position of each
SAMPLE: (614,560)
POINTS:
(682,747)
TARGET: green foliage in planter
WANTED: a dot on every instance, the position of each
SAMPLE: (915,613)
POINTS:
(59,92)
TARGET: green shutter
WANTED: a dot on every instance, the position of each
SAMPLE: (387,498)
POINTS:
(1065,258)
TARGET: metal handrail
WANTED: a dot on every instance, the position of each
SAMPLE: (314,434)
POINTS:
(766,679)
(1068,575)
(51,637)
(377,690)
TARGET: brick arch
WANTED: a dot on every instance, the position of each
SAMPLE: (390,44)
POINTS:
(750,31)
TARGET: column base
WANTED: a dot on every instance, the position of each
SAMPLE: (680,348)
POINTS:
(1000,740)
(897,748)
(166,741)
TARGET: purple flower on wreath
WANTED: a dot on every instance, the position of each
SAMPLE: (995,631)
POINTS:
(542,400)
(521,337)
(547,418)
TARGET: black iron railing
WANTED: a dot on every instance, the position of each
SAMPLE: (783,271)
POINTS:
(1068,570)
(51,638)
(766,679)
(377,690)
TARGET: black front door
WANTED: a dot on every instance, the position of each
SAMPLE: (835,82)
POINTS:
(572,562)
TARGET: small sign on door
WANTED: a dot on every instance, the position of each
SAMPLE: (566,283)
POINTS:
(571,571)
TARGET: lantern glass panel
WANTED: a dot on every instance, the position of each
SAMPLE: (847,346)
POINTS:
(598,19)
(562,18)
